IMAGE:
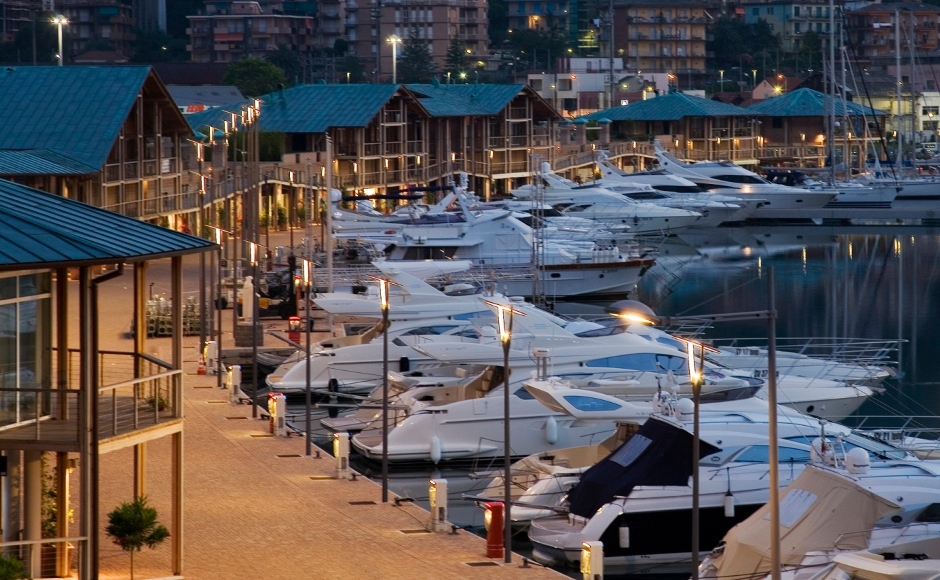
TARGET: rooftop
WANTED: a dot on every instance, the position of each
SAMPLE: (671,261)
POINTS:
(39,229)
(670,107)
(809,103)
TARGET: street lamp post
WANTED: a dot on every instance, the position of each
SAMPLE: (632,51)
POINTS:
(504,319)
(60,21)
(696,377)
(721,82)
(383,303)
(754,75)
(307,267)
(395,41)
(636,312)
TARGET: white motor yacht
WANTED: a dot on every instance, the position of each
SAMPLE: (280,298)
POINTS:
(637,516)
(830,515)
(730,179)
(674,191)
(503,250)
(607,207)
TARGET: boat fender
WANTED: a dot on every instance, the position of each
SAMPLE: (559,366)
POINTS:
(404,365)
(333,385)
(435,449)
(551,430)
(729,505)
(624,537)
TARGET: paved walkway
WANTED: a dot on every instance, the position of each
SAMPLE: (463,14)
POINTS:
(256,507)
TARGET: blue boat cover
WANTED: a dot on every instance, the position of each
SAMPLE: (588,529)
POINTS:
(659,453)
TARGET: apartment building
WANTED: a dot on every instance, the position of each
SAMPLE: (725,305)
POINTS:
(664,36)
(229,31)
(93,23)
(877,29)
(791,20)
(370,24)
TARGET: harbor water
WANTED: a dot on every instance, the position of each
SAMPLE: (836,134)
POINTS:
(861,282)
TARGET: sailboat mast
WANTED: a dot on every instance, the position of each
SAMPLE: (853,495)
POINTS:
(897,66)
(832,92)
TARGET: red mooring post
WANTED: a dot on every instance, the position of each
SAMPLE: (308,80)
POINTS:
(493,518)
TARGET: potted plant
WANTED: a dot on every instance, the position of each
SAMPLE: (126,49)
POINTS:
(133,525)
(11,568)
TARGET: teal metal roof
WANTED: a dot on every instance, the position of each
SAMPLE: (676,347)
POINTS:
(458,100)
(74,113)
(671,107)
(308,108)
(43,230)
(809,103)
(41,162)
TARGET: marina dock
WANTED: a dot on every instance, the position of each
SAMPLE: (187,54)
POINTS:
(256,507)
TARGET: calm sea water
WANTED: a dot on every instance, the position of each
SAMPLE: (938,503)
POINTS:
(877,282)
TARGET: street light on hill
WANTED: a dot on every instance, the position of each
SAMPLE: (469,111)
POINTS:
(60,21)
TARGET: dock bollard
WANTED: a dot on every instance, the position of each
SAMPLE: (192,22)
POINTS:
(341,453)
(211,354)
(493,520)
(437,492)
(234,380)
(592,560)
(277,414)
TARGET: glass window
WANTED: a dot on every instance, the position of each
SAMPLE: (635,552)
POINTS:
(7,288)
(761,454)
(522,393)
(631,450)
(586,403)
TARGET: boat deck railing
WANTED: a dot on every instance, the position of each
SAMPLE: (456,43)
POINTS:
(862,351)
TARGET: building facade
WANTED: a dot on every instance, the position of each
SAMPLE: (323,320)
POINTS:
(97,25)
(371,23)
(791,20)
(229,31)
(877,30)
(661,37)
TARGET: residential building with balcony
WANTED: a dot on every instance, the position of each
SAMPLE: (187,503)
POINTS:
(386,137)
(873,30)
(790,20)
(666,36)
(71,401)
(93,22)
(691,127)
(580,85)
(229,31)
(370,24)
(15,16)
(108,136)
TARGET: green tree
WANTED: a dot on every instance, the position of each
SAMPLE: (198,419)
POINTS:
(456,59)
(289,61)
(254,76)
(734,43)
(352,65)
(497,17)
(811,51)
(46,42)
(415,64)
(133,525)
(157,46)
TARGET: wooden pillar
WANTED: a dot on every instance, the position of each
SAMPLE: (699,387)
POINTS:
(32,514)
(62,385)
(88,439)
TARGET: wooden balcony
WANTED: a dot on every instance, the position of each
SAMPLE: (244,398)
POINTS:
(129,410)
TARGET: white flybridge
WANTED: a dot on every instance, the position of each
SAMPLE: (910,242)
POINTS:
(607,207)
(729,178)
(674,191)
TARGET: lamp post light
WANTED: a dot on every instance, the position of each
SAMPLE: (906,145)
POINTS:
(383,303)
(754,75)
(395,41)
(218,302)
(60,21)
(721,82)
(637,312)
(307,275)
(253,261)
(504,316)
(696,377)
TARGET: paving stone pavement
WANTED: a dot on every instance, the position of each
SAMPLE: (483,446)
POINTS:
(254,506)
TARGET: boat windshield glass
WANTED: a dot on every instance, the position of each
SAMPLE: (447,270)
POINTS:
(876,448)
(586,403)
(642,361)
(734,178)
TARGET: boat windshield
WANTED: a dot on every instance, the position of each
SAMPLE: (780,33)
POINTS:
(876,448)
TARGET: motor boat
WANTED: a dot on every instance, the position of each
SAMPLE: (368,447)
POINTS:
(674,191)
(541,481)
(627,502)
(731,179)
(606,207)
(509,252)
(831,515)
(606,356)
(846,194)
